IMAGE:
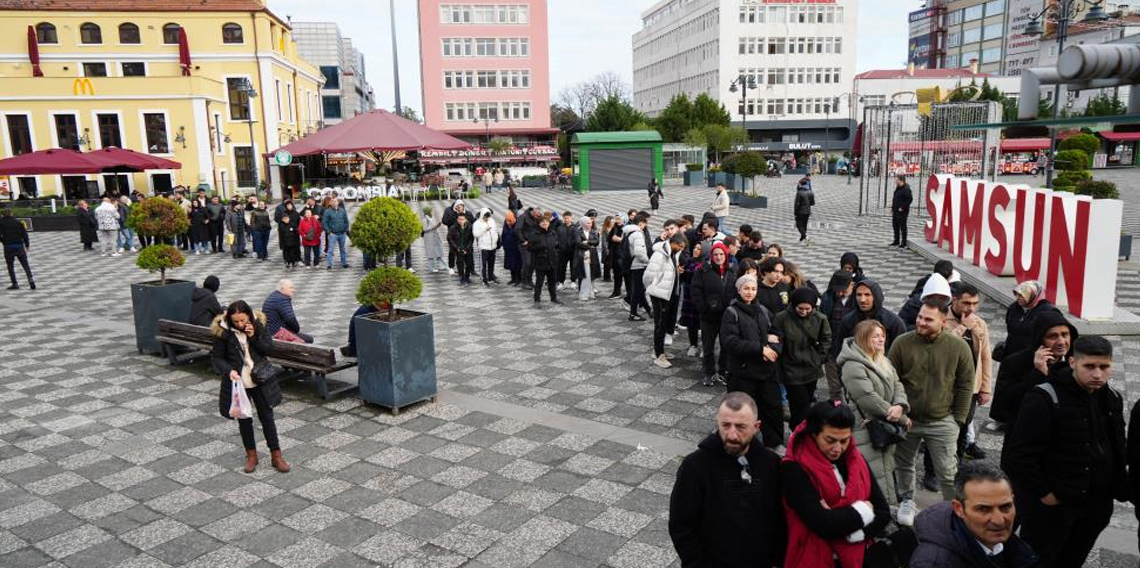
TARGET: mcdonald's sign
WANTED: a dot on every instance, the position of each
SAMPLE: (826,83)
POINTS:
(83,86)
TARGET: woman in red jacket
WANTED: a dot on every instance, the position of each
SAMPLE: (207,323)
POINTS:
(310,231)
(832,503)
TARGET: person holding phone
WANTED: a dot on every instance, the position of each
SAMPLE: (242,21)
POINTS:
(240,343)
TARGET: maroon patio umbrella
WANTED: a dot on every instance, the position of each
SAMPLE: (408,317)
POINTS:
(34,52)
(46,162)
(183,52)
(378,131)
(121,160)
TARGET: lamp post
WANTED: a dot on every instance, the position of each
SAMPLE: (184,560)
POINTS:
(743,83)
(1065,11)
(250,94)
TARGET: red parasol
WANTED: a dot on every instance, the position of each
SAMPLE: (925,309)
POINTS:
(45,162)
(378,131)
(121,160)
(34,52)
(183,52)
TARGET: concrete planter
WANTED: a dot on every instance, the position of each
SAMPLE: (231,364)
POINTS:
(695,178)
(396,360)
(52,223)
(716,178)
(150,302)
(1125,247)
(752,202)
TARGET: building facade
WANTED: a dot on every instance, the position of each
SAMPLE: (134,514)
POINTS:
(346,92)
(112,76)
(485,69)
(882,86)
(799,55)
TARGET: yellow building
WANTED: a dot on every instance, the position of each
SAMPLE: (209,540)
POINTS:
(112,75)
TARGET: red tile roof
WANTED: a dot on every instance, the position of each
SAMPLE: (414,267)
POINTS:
(136,5)
(920,74)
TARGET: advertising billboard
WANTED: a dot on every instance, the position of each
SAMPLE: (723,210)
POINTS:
(1020,49)
(921,26)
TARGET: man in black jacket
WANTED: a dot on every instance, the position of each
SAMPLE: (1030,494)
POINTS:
(14,239)
(567,233)
(543,246)
(900,210)
(1066,456)
(525,229)
(204,306)
(216,213)
(725,509)
(1053,338)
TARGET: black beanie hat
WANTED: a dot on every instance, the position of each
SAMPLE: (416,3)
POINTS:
(211,283)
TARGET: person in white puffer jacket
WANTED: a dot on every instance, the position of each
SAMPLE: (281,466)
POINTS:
(486,235)
(663,286)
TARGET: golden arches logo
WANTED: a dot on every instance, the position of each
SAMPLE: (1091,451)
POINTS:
(83,86)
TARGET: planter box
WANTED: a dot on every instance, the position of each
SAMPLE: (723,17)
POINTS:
(1125,247)
(51,223)
(734,197)
(695,178)
(752,202)
(716,178)
(396,360)
(535,182)
(832,167)
(150,302)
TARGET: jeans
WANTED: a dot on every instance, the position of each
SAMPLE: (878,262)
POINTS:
(261,243)
(264,415)
(126,238)
(339,239)
(941,443)
(201,246)
(722,224)
(12,253)
(312,255)
(404,258)
(487,265)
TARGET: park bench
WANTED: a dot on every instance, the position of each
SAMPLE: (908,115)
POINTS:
(304,358)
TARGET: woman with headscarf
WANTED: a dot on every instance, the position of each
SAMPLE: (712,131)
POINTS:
(584,264)
(288,235)
(430,222)
(512,258)
(1020,316)
(753,346)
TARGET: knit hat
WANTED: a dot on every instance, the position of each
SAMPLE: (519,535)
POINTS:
(936,285)
(746,279)
(840,280)
(211,283)
(802,295)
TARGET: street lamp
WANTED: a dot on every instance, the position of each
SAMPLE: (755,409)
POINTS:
(1065,10)
(743,83)
(487,120)
(250,93)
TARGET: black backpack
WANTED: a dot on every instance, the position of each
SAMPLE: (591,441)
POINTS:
(625,252)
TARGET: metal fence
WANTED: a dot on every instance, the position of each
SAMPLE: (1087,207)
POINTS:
(898,140)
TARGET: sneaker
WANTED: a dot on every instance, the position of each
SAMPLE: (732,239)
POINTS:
(133,249)
(907,511)
(662,362)
(412,270)
(116,254)
(560,286)
(975,453)
(434,270)
(451,272)
(668,339)
(682,327)
(121,249)
(692,351)
(32,285)
(636,318)
(556,301)
(14,287)
(707,382)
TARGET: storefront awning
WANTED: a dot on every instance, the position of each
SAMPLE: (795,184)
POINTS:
(1120,136)
(475,154)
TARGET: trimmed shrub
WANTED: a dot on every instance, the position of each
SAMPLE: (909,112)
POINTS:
(383,227)
(1068,180)
(694,167)
(158,217)
(388,285)
(1087,143)
(1072,160)
(1098,189)
(160,258)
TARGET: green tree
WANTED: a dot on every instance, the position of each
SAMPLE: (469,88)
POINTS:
(749,165)
(695,137)
(563,116)
(676,119)
(642,126)
(1104,105)
(383,227)
(410,114)
(707,110)
(613,114)
(723,138)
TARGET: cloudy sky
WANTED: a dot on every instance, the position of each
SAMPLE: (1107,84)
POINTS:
(586,37)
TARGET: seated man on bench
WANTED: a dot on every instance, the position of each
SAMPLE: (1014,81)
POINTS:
(282,322)
(350,349)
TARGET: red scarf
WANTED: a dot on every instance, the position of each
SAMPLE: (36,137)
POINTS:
(805,548)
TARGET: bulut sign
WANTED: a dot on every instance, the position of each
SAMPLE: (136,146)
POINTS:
(1068,242)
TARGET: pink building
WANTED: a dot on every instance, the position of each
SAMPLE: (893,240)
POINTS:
(485,69)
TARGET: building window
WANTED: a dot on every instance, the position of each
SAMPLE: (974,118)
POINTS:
(289,99)
(94,69)
(331,106)
(953,39)
(971,36)
(134,69)
(157,141)
(28,187)
(246,167)
(967,57)
(239,99)
(170,34)
(109,134)
(993,31)
(67,131)
(954,18)
(232,33)
(332,76)
(90,34)
(991,55)
(129,34)
(995,7)
(277,90)
(161,183)
(485,47)
(973,13)
(951,61)
(45,33)
(19,134)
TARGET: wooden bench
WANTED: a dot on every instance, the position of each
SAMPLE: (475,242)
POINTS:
(308,359)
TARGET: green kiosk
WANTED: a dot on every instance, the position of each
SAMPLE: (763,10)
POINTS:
(605,161)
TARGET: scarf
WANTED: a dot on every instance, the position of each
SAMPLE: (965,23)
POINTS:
(805,548)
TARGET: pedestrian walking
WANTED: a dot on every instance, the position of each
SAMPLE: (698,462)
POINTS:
(289,236)
(241,346)
(14,239)
(655,195)
(900,210)
(805,200)
(720,207)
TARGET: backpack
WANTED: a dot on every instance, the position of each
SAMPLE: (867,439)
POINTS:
(625,252)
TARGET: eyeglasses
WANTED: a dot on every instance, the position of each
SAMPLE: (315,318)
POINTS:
(745,471)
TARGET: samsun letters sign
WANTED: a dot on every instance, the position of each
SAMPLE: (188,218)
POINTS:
(1068,242)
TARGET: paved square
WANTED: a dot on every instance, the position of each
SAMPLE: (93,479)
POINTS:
(554,442)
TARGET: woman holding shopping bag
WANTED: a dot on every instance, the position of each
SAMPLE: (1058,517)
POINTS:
(239,356)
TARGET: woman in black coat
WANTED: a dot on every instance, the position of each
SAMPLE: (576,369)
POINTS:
(240,343)
(712,289)
(753,347)
(88,226)
(287,236)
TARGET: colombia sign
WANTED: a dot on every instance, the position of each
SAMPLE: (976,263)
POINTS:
(1068,242)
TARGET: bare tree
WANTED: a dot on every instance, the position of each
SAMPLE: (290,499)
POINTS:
(584,96)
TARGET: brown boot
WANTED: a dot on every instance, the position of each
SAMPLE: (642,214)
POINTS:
(278,462)
(250,461)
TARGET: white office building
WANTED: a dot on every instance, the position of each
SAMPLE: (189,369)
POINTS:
(346,92)
(800,56)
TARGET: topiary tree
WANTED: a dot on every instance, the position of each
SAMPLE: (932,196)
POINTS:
(161,219)
(750,165)
(383,227)
(1072,160)
(1084,142)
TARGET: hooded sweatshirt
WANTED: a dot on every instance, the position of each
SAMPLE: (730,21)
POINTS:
(1017,375)
(806,339)
(935,285)
(485,232)
(895,326)
(852,259)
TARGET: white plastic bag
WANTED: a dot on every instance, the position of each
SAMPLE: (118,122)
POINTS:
(239,402)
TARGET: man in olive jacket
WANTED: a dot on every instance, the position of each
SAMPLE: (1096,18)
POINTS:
(936,368)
